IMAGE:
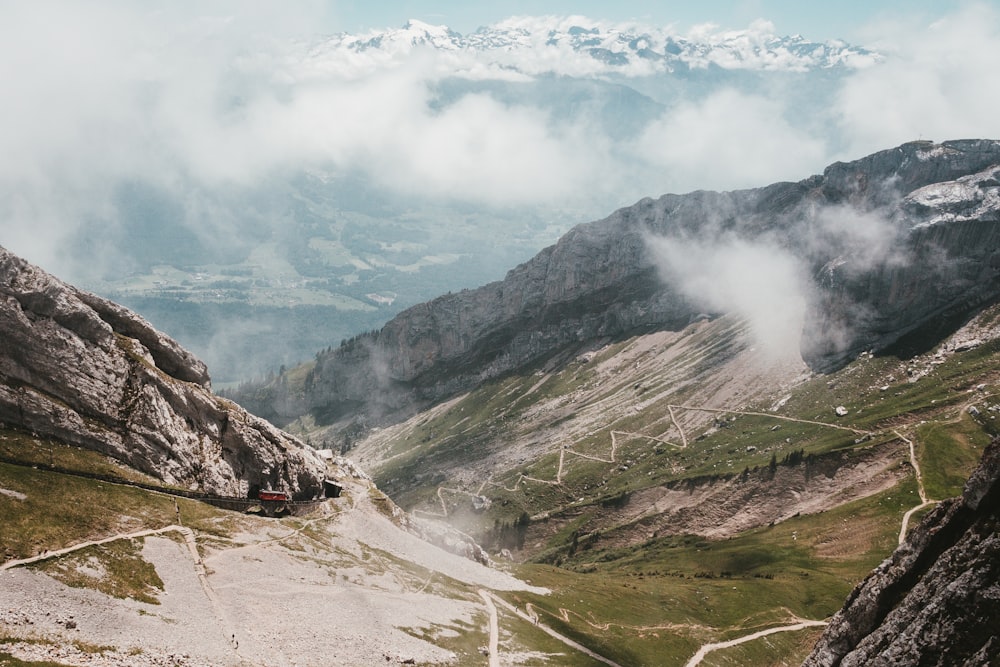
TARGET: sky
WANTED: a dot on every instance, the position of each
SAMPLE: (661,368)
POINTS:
(844,19)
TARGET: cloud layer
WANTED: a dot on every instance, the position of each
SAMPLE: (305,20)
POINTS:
(194,101)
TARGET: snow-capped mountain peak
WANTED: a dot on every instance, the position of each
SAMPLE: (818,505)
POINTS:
(578,46)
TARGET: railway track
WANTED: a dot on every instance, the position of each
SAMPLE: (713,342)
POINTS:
(235,503)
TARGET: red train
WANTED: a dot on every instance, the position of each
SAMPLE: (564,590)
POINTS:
(273,496)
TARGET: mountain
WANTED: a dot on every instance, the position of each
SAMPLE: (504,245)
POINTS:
(106,561)
(84,371)
(577,46)
(701,421)
(665,488)
(362,192)
(893,242)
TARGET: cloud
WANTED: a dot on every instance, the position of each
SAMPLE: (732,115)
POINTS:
(728,140)
(756,279)
(476,149)
(195,99)
(937,82)
(772,278)
(171,94)
(867,238)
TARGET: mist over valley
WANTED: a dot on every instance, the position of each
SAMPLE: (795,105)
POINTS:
(328,182)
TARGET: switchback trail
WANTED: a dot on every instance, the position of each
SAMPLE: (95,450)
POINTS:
(612,460)
(924,500)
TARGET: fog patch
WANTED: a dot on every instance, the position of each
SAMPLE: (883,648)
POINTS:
(761,282)
(858,240)
(780,281)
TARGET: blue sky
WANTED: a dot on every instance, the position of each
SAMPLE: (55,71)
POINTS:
(844,19)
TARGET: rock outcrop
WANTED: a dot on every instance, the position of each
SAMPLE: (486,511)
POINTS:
(943,260)
(936,600)
(84,371)
(895,240)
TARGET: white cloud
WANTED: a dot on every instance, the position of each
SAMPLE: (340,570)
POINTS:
(194,97)
(192,102)
(868,238)
(938,82)
(728,140)
(753,278)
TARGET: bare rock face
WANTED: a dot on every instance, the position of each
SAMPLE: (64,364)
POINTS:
(894,241)
(85,371)
(943,260)
(936,600)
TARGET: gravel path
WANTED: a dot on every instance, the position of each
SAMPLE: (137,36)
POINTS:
(494,645)
(924,500)
(533,618)
(182,626)
(708,648)
(90,543)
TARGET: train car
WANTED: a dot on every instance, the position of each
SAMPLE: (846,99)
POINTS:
(269,495)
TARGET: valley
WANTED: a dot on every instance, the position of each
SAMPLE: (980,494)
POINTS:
(581,464)
(725,588)
(724,511)
(668,337)
(320,265)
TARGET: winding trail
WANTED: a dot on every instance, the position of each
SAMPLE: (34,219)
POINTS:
(771,415)
(568,449)
(708,648)
(494,646)
(564,615)
(533,619)
(45,555)
(677,425)
(924,500)
(531,615)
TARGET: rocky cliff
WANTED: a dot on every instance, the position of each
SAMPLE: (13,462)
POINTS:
(893,241)
(936,600)
(84,371)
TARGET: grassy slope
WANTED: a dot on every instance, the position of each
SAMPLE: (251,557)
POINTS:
(661,601)
(61,510)
(656,603)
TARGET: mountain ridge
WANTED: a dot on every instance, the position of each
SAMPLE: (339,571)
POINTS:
(580,45)
(942,583)
(630,441)
(603,279)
